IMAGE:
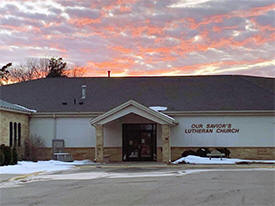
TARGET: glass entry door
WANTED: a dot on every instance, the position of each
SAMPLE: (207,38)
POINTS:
(139,142)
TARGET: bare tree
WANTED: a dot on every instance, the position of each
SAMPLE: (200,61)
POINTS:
(32,69)
(75,71)
(42,68)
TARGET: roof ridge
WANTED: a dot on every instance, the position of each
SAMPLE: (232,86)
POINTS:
(129,77)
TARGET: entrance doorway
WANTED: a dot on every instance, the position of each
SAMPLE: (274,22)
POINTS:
(139,142)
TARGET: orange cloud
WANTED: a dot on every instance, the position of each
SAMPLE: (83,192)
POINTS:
(83,21)
(114,64)
(121,49)
(193,24)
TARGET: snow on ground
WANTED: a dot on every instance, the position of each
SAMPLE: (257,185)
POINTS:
(26,167)
(191,159)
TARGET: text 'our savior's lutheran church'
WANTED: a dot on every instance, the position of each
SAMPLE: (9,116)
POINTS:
(142,118)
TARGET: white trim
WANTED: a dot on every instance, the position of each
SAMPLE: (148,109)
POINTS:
(172,113)
(14,111)
(159,115)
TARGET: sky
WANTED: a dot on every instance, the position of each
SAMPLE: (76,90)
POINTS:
(143,37)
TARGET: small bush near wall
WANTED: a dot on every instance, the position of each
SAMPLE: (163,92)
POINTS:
(14,156)
(188,152)
(202,152)
(224,150)
(8,156)
(32,145)
(2,155)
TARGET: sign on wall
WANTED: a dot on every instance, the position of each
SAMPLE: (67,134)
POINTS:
(211,128)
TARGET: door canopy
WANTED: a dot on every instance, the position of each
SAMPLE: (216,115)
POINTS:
(129,107)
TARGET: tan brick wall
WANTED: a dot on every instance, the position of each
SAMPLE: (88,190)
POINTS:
(159,154)
(77,153)
(44,154)
(5,119)
(81,153)
(257,153)
(114,153)
(166,150)
(99,144)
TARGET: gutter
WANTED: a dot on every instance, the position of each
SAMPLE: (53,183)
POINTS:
(222,113)
(172,113)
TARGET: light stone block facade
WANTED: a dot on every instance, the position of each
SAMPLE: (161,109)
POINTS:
(5,118)
(99,144)
(166,149)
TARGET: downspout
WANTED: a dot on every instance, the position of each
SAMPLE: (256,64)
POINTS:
(54,126)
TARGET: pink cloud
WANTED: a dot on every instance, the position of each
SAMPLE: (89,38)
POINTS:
(136,37)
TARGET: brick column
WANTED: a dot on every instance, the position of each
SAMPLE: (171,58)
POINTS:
(166,149)
(99,143)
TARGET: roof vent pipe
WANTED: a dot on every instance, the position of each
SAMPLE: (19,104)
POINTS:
(83,91)
(109,74)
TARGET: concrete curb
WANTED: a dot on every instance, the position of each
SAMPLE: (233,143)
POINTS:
(129,166)
(184,166)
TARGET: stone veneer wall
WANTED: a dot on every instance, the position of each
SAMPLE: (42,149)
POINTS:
(5,118)
(113,154)
(257,153)
(159,154)
(80,153)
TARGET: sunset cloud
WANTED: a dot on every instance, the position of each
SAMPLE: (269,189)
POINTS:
(141,37)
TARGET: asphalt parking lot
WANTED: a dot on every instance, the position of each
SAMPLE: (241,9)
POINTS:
(148,186)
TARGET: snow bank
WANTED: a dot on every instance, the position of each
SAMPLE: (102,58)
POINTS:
(158,108)
(191,159)
(26,167)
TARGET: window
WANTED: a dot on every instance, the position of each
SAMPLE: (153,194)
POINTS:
(19,134)
(11,136)
(15,133)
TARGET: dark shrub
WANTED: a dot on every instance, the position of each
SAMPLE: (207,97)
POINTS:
(188,152)
(224,150)
(183,162)
(2,156)
(7,154)
(14,157)
(202,152)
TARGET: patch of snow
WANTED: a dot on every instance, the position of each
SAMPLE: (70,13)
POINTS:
(158,108)
(191,159)
(25,108)
(26,167)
